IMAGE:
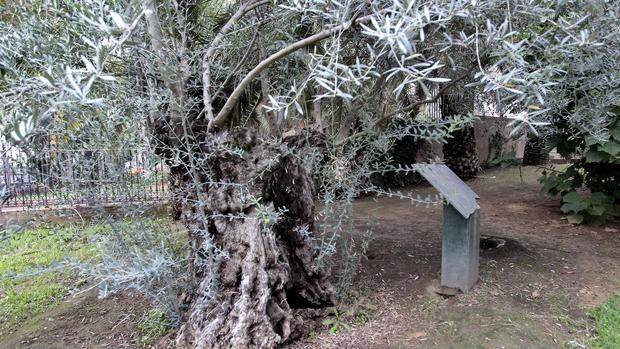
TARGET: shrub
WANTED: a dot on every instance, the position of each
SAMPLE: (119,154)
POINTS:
(598,171)
(145,255)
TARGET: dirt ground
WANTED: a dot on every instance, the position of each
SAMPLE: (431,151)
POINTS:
(82,321)
(534,292)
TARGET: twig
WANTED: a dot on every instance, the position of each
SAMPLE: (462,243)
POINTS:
(238,66)
(125,318)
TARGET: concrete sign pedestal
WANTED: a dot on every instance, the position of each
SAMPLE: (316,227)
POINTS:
(460,249)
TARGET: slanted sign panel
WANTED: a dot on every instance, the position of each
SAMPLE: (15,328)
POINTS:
(456,192)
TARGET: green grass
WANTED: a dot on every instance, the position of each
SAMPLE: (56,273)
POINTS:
(26,288)
(152,327)
(607,317)
(32,280)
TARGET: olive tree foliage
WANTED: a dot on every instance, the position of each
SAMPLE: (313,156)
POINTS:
(262,107)
(45,45)
(63,58)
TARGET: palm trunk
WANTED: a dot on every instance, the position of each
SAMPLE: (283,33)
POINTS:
(460,153)
(535,152)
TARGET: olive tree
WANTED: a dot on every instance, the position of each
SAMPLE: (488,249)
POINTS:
(273,114)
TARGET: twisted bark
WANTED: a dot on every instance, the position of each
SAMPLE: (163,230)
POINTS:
(266,289)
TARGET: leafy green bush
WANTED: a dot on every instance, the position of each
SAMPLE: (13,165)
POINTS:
(598,171)
(596,207)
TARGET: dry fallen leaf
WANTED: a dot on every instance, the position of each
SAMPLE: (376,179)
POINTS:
(419,334)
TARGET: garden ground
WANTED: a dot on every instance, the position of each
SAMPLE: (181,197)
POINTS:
(537,291)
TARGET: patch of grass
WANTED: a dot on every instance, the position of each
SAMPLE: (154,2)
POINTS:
(607,317)
(152,327)
(41,291)
(32,279)
(26,287)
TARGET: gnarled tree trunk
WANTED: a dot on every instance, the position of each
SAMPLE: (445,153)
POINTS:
(263,288)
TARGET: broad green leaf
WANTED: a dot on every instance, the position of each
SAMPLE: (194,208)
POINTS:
(575,218)
(574,207)
(596,156)
(549,184)
(596,210)
(590,140)
(611,147)
(600,198)
(572,197)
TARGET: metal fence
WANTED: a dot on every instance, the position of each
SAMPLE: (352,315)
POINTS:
(51,176)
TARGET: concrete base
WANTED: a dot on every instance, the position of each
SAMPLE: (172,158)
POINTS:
(460,249)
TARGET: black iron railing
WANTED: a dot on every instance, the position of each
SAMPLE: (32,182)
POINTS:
(52,176)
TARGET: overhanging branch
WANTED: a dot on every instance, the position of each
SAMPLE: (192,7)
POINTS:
(226,111)
(206,59)
(435,98)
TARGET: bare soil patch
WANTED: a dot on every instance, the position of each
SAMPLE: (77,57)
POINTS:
(534,292)
(82,321)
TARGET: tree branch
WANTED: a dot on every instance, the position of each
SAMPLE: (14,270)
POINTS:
(223,115)
(443,90)
(157,44)
(230,75)
(153,26)
(206,59)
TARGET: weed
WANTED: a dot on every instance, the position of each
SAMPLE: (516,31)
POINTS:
(152,327)
(337,323)
(362,316)
(432,305)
